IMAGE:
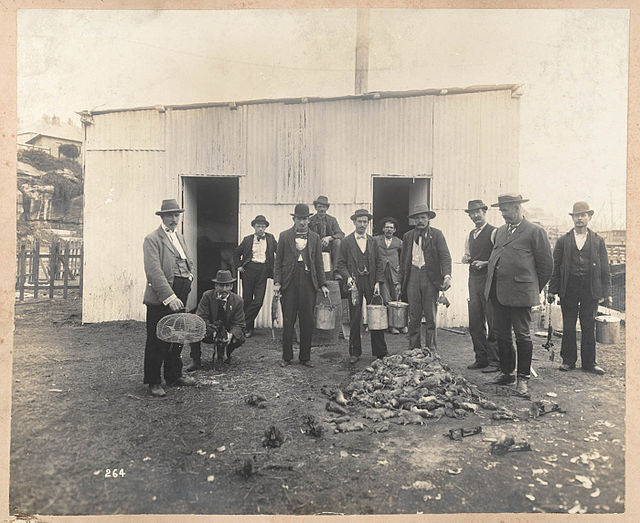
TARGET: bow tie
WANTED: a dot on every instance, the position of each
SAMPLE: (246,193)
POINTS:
(361,237)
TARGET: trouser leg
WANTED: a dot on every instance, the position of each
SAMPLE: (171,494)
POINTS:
(195,351)
(306,305)
(521,321)
(429,299)
(257,285)
(477,327)
(588,310)
(569,306)
(289,303)
(414,295)
(502,326)
(492,342)
(155,350)
(355,318)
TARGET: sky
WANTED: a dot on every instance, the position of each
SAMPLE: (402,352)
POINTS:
(573,64)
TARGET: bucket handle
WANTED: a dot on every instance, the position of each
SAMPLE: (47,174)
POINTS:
(378,295)
(328,298)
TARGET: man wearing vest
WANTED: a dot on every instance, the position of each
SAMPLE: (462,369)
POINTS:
(581,278)
(424,271)
(520,266)
(327,227)
(359,264)
(390,248)
(254,259)
(477,249)
(168,266)
(297,275)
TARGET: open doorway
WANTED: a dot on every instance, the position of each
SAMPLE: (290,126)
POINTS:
(394,196)
(210,227)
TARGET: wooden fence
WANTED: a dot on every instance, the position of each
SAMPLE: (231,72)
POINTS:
(45,268)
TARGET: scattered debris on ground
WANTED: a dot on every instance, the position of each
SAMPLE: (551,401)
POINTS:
(256,400)
(312,426)
(273,437)
(509,444)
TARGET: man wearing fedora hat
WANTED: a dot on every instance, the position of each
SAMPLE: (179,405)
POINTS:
(520,266)
(254,258)
(223,313)
(360,264)
(581,277)
(327,227)
(390,249)
(298,274)
(477,249)
(424,271)
(168,266)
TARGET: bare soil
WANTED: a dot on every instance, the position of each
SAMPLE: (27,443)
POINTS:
(80,411)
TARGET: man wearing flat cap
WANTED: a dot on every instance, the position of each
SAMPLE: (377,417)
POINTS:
(326,226)
(581,278)
(477,249)
(360,265)
(168,266)
(254,258)
(297,276)
(520,266)
(424,271)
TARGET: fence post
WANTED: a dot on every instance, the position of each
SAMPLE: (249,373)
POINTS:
(53,263)
(21,270)
(81,249)
(36,268)
(66,269)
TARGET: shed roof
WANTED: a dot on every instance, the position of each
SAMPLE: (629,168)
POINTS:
(515,88)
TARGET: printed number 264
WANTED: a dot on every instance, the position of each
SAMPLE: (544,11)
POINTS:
(114,473)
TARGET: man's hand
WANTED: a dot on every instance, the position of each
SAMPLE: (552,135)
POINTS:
(240,270)
(176,305)
(551,298)
(376,288)
(398,290)
(229,337)
(446,284)
(326,240)
(477,265)
(276,289)
(325,291)
(466,258)
(350,282)
(606,301)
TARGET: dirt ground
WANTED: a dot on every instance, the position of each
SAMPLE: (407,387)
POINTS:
(80,411)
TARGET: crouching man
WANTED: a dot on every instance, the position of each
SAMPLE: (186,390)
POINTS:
(223,313)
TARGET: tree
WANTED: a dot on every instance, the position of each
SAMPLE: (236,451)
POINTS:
(69,150)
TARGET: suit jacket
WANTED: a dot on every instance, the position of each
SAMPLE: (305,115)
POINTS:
(243,253)
(287,257)
(524,264)
(333,229)
(390,255)
(599,273)
(347,264)
(234,313)
(436,257)
(159,259)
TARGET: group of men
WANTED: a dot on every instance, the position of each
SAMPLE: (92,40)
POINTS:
(508,268)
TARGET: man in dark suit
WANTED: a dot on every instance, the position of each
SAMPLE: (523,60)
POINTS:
(477,249)
(390,248)
(424,271)
(520,266)
(581,277)
(327,227)
(223,313)
(254,259)
(298,274)
(360,264)
(168,266)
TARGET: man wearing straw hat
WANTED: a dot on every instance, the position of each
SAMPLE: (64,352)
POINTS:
(254,259)
(360,264)
(477,249)
(327,227)
(298,274)
(167,265)
(520,266)
(424,271)
(581,278)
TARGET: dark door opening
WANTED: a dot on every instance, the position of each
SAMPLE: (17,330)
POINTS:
(395,196)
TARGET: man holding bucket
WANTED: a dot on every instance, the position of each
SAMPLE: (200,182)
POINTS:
(581,278)
(327,227)
(424,271)
(297,274)
(390,248)
(360,265)
(477,249)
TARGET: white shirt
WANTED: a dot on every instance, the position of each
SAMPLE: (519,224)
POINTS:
(259,249)
(362,242)
(417,256)
(301,243)
(476,232)
(580,239)
(387,241)
(176,243)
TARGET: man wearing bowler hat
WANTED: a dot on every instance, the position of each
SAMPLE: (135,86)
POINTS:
(360,264)
(298,274)
(581,278)
(168,266)
(520,266)
(223,313)
(326,226)
(424,271)
(254,258)
(477,249)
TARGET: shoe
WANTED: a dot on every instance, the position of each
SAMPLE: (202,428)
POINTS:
(522,388)
(476,365)
(382,356)
(393,330)
(353,359)
(285,363)
(504,379)
(248,334)
(565,367)
(404,330)
(307,363)
(185,381)
(595,370)
(157,390)
(194,365)
(490,368)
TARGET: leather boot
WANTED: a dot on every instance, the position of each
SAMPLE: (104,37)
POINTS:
(194,365)
(522,388)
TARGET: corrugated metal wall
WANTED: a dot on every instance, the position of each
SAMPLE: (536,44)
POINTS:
(288,153)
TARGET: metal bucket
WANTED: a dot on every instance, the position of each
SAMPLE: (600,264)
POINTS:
(326,261)
(377,315)
(325,316)
(607,330)
(398,314)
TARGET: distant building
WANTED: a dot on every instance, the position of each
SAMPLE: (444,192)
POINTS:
(615,240)
(49,134)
